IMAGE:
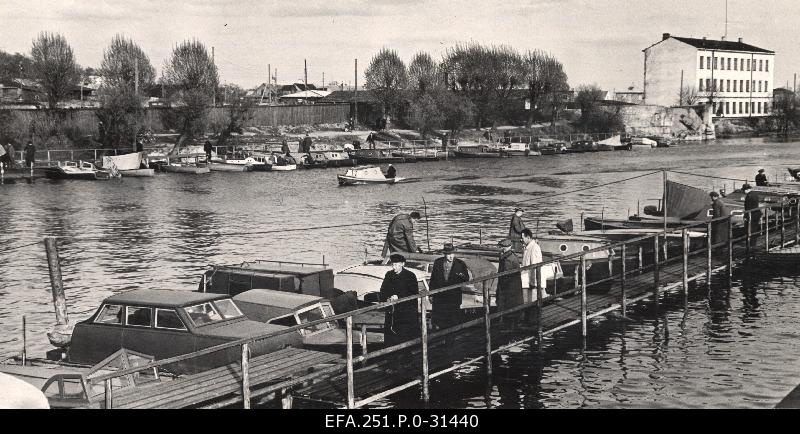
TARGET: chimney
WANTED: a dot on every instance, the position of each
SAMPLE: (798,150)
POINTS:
(740,40)
(704,38)
(665,36)
(722,38)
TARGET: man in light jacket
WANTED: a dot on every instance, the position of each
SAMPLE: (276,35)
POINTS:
(530,279)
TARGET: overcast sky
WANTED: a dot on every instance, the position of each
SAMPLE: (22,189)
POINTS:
(598,41)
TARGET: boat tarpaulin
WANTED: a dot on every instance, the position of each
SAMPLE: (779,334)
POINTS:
(687,202)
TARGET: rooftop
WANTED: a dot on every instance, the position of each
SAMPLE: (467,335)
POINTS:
(713,44)
(162,297)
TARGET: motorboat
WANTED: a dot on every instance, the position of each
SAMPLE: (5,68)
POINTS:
(421,154)
(334,158)
(516,150)
(613,143)
(280,163)
(181,163)
(373,156)
(642,143)
(236,163)
(550,147)
(360,175)
(581,146)
(128,165)
(476,152)
(76,170)
(313,161)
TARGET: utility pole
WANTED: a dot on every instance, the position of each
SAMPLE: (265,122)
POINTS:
(305,75)
(355,96)
(323,79)
(136,78)
(214,96)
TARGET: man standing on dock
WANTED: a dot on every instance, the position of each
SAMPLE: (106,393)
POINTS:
(751,202)
(207,148)
(515,231)
(401,321)
(400,237)
(447,270)
(530,278)
(30,154)
(761,179)
(509,288)
(719,229)
(307,144)
(284,147)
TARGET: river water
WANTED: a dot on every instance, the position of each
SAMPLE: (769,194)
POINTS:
(734,347)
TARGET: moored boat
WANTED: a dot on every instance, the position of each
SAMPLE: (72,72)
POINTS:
(76,170)
(642,143)
(581,146)
(334,158)
(781,257)
(123,163)
(475,152)
(280,163)
(613,144)
(375,156)
(361,175)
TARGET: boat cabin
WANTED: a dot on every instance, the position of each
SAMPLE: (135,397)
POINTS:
(365,172)
(170,323)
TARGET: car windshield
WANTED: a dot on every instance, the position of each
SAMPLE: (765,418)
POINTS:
(227,308)
(313,314)
(203,313)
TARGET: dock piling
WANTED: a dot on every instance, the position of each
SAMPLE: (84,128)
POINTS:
(426,396)
(108,393)
(797,223)
(624,298)
(709,246)
(685,281)
(783,224)
(730,248)
(747,221)
(583,295)
(56,284)
(488,324)
(24,339)
(363,340)
(245,376)
(766,226)
(539,306)
(655,270)
(641,259)
(350,392)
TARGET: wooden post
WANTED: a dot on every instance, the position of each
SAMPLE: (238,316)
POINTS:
(655,269)
(748,214)
(709,246)
(783,224)
(797,223)
(350,392)
(664,207)
(245,376)
(364,340)
(108,394)
(641,258)
(577,274)
(539,305)
(56,285)
(624,298)
(766,225)
(488,325)
(664,247)
(730,248)
(685,244)
(24,339)
(424,330)
(583,295)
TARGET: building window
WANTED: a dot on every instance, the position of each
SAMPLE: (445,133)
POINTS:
(734,85)
(728,107)
(733,107)
(760,68)
(748,64)
(701,85)
(715,107)
(715,63)
(759,107)
(741,85)
(747,89)
(701,62)
(752,107)
(735,64)
(729,64)
(766,67)
(708,62)
(753,85)
(708,84)
(722,63)
(727,85)
(746,106)
(716,88)
(740,107)
(766,86)
(759,85)
(766,110)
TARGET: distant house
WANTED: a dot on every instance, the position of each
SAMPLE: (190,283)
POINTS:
(629,96)
(263,94)
(287,89)
(369,107)
(305,96)
(22,92)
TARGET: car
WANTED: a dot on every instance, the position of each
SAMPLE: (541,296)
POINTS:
(168,323)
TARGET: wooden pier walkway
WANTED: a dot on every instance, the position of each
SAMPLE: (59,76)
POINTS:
(355,381)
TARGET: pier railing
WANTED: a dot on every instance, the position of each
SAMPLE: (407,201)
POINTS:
(628,271)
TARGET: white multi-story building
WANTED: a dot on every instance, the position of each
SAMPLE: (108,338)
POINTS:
(732,76)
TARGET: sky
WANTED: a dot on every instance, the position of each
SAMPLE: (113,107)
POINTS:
(598,41)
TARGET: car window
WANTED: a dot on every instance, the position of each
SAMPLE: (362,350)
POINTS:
(53,390)
(138,316)
(328,309)
(287,321)
(203,313)
(314,314)
(227,308)
(73,388)
(110,314)
(168,319)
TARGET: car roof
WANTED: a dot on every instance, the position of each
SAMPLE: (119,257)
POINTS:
(378,271)
(163,297)
(283,299)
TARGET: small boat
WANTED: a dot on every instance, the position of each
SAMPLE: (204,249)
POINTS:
(360,175)
(642,143)
(76,170)
(550,147)
(228,167)
(313,161)
(183,163)
(476,152)
(123,163)
(281,163)
(375,156)
(581,146)
(613,144)
(236,163)
(516,150)
(334,158)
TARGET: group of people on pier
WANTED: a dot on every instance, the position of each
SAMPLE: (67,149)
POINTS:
(7,156)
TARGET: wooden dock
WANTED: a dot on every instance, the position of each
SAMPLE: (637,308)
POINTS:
(356,381)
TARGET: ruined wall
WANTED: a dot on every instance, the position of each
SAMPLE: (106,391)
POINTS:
(676,122)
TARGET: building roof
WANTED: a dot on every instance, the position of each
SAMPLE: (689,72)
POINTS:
(162,298)
(282,299)
(307,94)
(340,96)
(713,44)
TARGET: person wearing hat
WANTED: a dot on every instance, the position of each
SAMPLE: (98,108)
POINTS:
(401,321)
(30,154)
(447,270)
(719,229)
(761,179)
(751,202)
(391,172)
(515,231)
(509,288)
(400,237)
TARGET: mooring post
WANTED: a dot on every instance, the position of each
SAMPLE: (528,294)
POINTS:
(424,333)
(363,341)
(730,248)
(349,330)
(24,340)
(108,393)
(797,223)
(56,284)
(664,247)
(685,245)
(246,376)
(749,224)
(488,331)
(709,246)
(766,225)
(641,258)
(583,295)
(539,305)
(624,298)
(783,223)
(655,269)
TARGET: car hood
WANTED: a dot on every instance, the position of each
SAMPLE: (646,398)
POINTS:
(239,329)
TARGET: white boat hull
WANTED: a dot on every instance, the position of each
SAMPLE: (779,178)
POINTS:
(284,168)
(137,173)
(350,180)
(123,162)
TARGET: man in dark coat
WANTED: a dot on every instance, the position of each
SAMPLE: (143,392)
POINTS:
(509,288)
(371,140)
(30,154)
(400,237)
(447,270)
(761,179)
(719,229)
(307,144)
(401,321)
(208,148)
(284,147)
(391,172)
(515,231)
(751,201)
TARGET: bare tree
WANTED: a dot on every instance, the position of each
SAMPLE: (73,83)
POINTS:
(54,64)
(546,79)
(238,110)
(688,95)
(387,76)
(786,112)
(194,76)
(423,74)
(595,117)
(120,62)
(14,66)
